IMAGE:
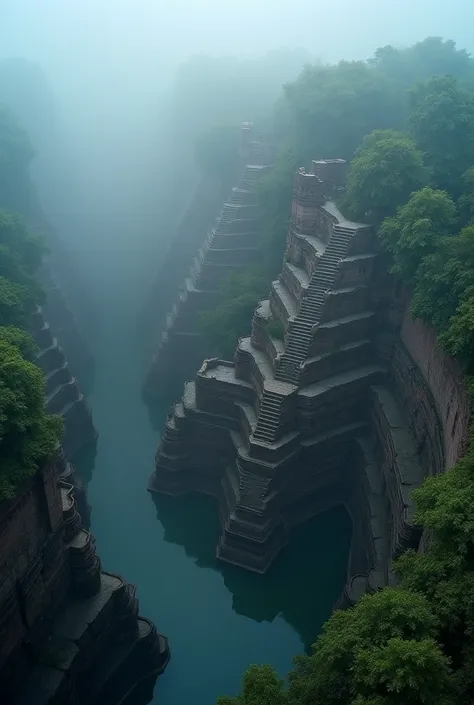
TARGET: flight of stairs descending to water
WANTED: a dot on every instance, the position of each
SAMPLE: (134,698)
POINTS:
(301,328)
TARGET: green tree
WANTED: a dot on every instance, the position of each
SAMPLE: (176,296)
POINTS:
(322,98)
(232,318)
(441,122)
(416,229)
(20,257)
(15,303)
(15,236)
(433,56)
(390,626)
(18,339)
(386,169)
(466,200)
(27,434)
(261,686)
(444,292)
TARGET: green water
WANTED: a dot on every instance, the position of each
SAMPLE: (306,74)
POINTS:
(218,619)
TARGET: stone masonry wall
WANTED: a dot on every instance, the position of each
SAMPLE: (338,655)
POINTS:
(445,380)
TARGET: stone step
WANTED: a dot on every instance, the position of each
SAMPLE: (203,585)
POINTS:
(265,417)
(272,402)
(269,411)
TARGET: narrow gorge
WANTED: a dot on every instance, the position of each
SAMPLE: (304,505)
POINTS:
(236,358)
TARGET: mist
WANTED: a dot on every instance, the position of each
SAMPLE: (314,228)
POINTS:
(110,67)
(114,96)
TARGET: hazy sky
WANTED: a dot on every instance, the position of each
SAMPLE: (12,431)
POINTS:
(58,31)
(109,60)
(130,45)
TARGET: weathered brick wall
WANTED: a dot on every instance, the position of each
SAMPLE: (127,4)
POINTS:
(445,380)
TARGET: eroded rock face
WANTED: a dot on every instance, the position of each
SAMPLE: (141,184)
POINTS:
(337,412)
(69,633)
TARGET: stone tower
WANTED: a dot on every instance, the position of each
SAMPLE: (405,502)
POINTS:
(296,425)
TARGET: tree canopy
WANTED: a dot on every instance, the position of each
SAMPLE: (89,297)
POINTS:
(416,229)
(441,121)
(27,433)
(385,170)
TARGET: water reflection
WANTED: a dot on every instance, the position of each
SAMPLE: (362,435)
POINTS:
(301,586)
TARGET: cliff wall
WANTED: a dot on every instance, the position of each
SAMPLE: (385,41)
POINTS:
(69,633)
(444,378)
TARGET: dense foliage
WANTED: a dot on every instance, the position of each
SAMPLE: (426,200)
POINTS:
(373,113)
(27,433)
(413,644)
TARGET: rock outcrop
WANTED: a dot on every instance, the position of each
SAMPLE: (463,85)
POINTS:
(231,244)
(293,427)
(70,633)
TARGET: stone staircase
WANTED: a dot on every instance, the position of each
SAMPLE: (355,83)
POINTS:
(269,416)
(249,178)
(309,315)
(239,196)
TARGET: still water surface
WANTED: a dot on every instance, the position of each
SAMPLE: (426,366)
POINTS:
(219,619)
